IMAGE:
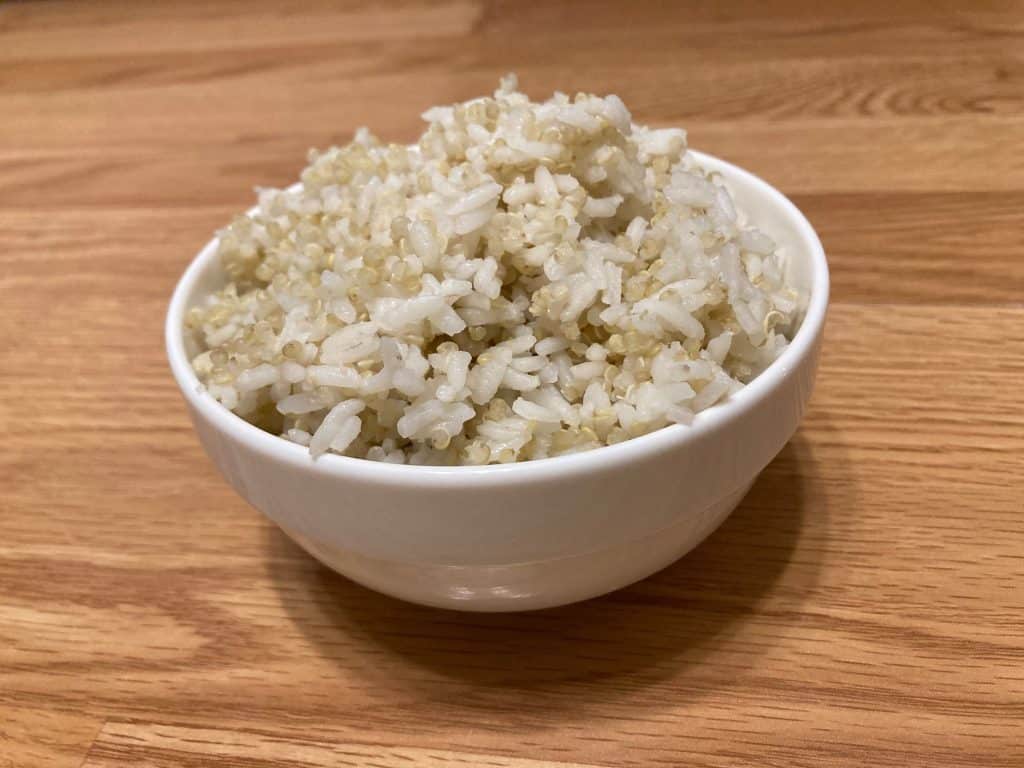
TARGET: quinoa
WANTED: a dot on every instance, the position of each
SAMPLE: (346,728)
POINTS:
(527,280)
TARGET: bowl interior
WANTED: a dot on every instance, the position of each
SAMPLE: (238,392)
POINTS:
(759,202)
(207,278)
(783,223)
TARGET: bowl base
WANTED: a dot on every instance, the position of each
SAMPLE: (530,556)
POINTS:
(525,586)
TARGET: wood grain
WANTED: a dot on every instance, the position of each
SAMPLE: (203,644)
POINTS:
(55,735)
(128,743)
(863,606)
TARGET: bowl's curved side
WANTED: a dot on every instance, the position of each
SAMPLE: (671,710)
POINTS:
(525,586)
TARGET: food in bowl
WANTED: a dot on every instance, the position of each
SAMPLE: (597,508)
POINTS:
(527,280)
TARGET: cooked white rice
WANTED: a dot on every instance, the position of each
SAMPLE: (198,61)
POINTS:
(528,280)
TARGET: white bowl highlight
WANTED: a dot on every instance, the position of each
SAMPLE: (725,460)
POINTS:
(532,534)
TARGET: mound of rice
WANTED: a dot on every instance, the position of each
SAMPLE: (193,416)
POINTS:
(528,280)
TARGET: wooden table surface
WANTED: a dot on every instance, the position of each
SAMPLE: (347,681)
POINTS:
(863,607)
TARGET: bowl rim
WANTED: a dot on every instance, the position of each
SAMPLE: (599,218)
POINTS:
(594,460)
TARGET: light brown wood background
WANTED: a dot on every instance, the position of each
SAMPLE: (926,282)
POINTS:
(863,607)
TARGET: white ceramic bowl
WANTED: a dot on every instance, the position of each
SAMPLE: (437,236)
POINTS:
(536,534)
